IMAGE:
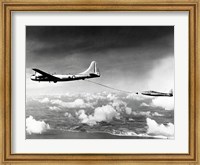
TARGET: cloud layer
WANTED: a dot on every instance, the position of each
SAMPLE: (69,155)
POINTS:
(78,103)
(116,113)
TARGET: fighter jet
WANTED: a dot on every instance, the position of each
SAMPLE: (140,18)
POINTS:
(91,72)
(154,93)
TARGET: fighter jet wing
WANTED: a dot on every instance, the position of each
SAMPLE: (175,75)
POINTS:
(46,74)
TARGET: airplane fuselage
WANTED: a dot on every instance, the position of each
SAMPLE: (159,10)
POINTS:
(68,77)
(147,94)
(153,93)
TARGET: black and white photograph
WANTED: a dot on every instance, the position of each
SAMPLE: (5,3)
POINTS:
(99,82)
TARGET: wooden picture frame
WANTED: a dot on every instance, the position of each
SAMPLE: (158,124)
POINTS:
(97,5)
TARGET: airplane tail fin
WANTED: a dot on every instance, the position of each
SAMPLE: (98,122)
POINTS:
(171,92)
(92,70)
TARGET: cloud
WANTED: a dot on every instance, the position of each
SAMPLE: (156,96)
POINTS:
(111,96)
(119,105)
(54,108)
(133,96)
(81,114)
(78,103)
(165,102)
(85,118)
(67,114)
(128,110)
(105,113)
(159,129)
(148,113)
(94,97)
(89,39)
(34,126)
(45,100)
(156,114)
(68,94)
(144,105)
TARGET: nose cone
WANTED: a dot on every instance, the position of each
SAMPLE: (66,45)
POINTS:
(33,77)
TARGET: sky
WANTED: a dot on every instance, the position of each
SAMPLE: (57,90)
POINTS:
(131,58)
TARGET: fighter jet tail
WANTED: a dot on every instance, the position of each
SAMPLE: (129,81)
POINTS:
(92,69)
(171,92)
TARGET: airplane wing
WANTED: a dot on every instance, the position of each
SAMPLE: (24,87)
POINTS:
(46,74)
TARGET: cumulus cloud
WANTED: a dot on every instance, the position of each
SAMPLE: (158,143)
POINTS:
(45,100)
(165,102)
(111,96)
(144,105)
(67,114)
(54,108)
(57,102)
(88,119)
(128,110)
(70,94)
(133,96)
(78,103)
(148,113)
(156,114)
(93,97)
(81,114)
(105,113)
(34,126)
(119,105)
(159,129)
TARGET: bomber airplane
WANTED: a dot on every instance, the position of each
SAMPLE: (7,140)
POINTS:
(154,93)
(91,72)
